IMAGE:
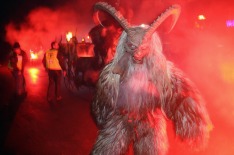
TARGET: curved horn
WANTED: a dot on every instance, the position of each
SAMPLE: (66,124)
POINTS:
(113,12)
(173,10)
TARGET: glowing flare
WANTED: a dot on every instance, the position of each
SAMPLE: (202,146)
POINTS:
(201,17)
(83,40)
(69,36)
(88,39)
(33,55)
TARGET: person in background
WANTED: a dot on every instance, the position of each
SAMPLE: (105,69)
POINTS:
(17,61)
(53,61)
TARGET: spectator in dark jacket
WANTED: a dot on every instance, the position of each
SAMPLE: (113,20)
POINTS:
(17,61)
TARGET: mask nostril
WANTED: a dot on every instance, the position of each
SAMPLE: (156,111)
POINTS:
(137,59)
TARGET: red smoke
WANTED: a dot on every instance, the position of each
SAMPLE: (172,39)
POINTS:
(44,25)
(204,53)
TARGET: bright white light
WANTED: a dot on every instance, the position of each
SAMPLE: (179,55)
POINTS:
(33,55)
(69,36)
(201,17)
(142,25)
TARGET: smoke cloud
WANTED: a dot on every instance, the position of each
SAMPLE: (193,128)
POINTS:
(202,49)
(43,25)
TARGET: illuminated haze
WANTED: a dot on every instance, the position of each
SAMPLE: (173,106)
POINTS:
(202,49)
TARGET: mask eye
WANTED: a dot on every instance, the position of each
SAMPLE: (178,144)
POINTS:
(131,46)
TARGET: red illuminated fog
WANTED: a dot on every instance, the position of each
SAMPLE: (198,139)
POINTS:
(203,49)
(43,26)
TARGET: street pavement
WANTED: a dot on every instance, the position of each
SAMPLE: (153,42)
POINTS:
(32,126)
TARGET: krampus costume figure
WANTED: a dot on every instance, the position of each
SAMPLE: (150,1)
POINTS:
(139,89)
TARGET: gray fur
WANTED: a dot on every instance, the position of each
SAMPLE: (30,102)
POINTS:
(131,107)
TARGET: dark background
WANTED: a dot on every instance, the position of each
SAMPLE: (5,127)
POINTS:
(17,10)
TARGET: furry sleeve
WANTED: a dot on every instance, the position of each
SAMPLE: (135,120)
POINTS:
(103,104)
(186,108)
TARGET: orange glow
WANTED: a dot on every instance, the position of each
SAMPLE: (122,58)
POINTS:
(227,72)
(88,39)
(201,17)
(69,36)
(33,55)
(33,72)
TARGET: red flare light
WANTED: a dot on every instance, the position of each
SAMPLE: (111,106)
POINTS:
(33,55)
(201,17)
(69,36)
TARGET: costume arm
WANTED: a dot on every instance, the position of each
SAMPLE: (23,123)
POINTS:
(187,110)
(44,61)
(12,63)
(103,104)
(25,58)
(61,59)
(9,65)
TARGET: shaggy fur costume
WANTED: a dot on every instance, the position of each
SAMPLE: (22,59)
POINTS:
(137,92)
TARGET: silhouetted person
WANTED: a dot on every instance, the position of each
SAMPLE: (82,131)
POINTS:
(105,37)
(53,62)
(17,61)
